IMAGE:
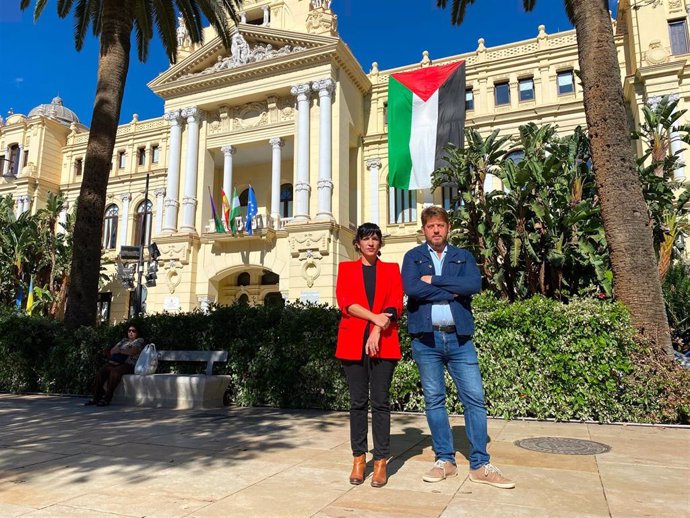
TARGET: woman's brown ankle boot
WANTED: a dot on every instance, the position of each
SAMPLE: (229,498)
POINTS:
(379,477)
(359,464)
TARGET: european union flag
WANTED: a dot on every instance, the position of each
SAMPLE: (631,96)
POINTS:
(252,210)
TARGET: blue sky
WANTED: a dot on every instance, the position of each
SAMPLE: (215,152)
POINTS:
(40,62)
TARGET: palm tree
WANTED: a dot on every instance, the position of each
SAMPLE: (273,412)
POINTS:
(113,21)
(623,207)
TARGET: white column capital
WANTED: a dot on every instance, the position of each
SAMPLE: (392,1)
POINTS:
(302,186)
(192,114)
(174,117)
(228,150)
(301,91)
(159,192)
(171,203)
(276,142)
(126,197)
(373,164)
(324,86)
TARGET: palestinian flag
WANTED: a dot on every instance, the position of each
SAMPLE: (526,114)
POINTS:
(426,112)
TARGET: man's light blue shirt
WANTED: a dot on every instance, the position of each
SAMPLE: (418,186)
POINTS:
(440,311)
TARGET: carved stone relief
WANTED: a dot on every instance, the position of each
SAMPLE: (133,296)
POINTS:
(656,54)
(309,249)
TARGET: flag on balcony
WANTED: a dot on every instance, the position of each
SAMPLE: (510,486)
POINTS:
(225,208)
(20,297)
(234,211)
(30,298)
(252,210)
(216,218)
(426,112)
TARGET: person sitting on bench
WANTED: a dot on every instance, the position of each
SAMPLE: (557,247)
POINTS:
(121,360)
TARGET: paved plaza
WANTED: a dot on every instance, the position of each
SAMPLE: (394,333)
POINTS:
(61,459)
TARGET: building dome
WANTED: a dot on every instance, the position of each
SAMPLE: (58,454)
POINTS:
(56,110)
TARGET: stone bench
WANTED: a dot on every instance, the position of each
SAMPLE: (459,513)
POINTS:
(179,391)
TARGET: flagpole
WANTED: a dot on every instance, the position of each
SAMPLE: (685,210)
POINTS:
(140,264)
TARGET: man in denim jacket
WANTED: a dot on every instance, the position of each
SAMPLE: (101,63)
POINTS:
(439,280)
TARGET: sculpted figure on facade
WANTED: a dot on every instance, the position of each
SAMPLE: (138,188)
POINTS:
(183,39)
(239,50)
(321,4)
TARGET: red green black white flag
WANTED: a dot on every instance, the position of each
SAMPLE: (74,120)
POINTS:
(426,112)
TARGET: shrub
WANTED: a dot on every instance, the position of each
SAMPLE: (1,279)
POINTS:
(539,358)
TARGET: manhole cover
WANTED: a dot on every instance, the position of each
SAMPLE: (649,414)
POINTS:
(563,445)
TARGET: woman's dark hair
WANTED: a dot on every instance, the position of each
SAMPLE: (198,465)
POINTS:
(365,230)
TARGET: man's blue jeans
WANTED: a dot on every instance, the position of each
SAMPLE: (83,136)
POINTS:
(432,352)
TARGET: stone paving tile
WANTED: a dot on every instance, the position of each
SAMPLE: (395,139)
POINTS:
(508,454)
(639,490)
(514,430)
(128,501)
(387,501)
(271,498)
(632,431)
(65,511)
(472,508)
(563,490)
(10,511)
(671,453)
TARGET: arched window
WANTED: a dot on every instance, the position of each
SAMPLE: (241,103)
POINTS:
(270,278)
(286,200)
(243,299)
(243,279)
(244,198)
(110,227)
(516,156)
(274,299)
(14,160)
(142,225)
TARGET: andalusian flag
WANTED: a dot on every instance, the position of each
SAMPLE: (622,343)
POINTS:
(234,211)
(426,112)
(225,208)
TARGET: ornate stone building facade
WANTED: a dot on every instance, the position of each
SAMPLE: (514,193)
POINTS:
(290,111)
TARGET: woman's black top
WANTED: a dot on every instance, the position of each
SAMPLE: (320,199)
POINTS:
(370,282)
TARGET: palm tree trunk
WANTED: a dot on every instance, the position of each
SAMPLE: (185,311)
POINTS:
(623,208)
(113,64)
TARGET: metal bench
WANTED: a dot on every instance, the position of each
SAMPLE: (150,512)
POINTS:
(181,391)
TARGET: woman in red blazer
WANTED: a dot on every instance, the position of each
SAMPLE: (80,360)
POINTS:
(369,294)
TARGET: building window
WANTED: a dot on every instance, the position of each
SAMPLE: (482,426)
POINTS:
(270,278)
(78,166)
(385,114)
(449,192)
(155,154)
(678,34)
(286,200)
(274,299)
(14,159)
(141,156)
(469,99)
(2,164)
(121,159)
(402,206)
(516,156)
(110,227)
(526,89)
(502,93)
(142,225)
(566,82)
(244,279)
(26,158)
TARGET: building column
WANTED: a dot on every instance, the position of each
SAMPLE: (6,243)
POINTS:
(171,202)
(189,201)
(228,151)
(62,218)
(160,195)
(325,88)
(20,159)
(374,166)
(276,144)
(302,187)
(125,218)
(6,164)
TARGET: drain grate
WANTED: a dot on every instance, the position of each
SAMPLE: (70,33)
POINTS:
(563,445)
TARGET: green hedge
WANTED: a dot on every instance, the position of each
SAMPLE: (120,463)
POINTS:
(539,358)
